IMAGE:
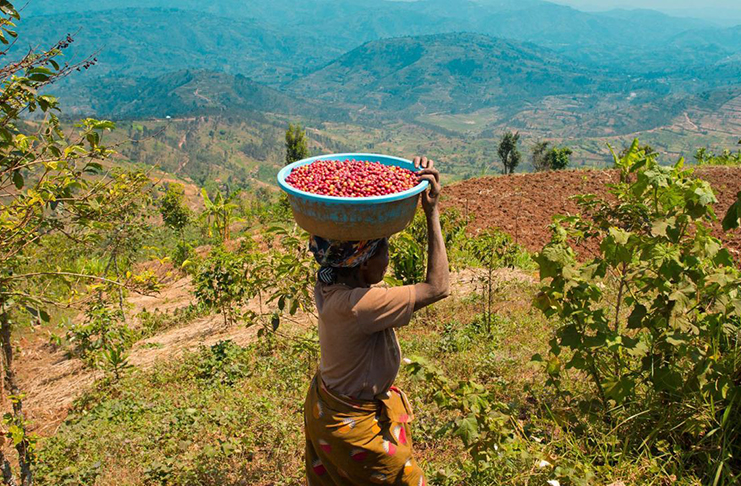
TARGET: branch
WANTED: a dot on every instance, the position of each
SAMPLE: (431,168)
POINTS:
(63,274)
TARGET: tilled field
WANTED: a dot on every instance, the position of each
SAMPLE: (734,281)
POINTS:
(523,205)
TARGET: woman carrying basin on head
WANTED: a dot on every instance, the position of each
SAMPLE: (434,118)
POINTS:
(357,422)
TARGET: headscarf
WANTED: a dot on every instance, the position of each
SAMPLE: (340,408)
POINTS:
(333,254)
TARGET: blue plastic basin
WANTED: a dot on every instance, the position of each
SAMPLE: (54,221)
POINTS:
(352,218)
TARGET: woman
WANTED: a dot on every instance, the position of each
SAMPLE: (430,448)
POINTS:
(357,422)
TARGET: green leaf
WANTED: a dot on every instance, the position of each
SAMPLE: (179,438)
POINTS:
(553,366)
(467,429)
(732,220)
(667,379)
(635,321)
(18,180)
(275,322)
(619,390)
(570,336)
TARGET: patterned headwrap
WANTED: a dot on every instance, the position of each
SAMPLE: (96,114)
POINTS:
(332,254)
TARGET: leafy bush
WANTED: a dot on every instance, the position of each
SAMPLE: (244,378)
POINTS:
(221,283)
(546,158)
(653,320)
(175,214)
(222,363)
(492,249)
(103,329)
(704,156)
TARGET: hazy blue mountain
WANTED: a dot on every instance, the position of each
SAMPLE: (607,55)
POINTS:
(351,52)
(148,42)
(604,38)
(725,41)
(448,72)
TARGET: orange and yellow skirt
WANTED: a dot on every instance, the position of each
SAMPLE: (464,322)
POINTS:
(356,442)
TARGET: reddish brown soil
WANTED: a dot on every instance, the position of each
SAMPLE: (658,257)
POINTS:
(523,205)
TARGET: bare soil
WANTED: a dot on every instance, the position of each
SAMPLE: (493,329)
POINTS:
(523,205)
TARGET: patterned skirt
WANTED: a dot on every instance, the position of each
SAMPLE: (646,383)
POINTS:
(356,442)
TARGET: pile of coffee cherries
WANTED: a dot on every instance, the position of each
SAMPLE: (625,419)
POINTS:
(351,178)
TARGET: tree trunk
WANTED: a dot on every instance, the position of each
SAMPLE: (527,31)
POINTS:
(8,477)
(24,455)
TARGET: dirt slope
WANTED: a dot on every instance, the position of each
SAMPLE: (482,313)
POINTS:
(523,205)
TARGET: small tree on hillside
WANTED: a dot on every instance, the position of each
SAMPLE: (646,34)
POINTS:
(558,158)
(508,152)
(175,214)
(539,157)
(219,214)
(296,146)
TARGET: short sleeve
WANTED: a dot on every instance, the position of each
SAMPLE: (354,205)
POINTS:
(377,308)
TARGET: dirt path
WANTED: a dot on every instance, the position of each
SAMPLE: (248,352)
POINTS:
(687,118)
(52,380)
(199,95)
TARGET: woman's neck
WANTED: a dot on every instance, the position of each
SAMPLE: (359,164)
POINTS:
(353,281)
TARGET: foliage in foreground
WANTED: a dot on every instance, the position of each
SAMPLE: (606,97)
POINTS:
(653,321)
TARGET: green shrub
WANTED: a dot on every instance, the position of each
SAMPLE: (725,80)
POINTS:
(103,329)
(653,320)
(222,363)
(704,156)
(221,283)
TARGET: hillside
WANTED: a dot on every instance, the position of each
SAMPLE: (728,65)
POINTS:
(152,41)
(182,93)
(447,72)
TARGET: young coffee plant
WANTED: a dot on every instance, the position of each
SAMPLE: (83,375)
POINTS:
(103,330)
(653,319)
(491,249)
(221,283)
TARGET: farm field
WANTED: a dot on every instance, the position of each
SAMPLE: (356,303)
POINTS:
(205,403)
(159,308)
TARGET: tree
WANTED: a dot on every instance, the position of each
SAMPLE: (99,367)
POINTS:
(558,158)
(540,157)
(54,190)
(175,214)
(296,147)
(646,149)
(219,213)
(508,152)
(550,158)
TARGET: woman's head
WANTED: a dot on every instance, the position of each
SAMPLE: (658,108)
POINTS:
(374,268)
(355,262)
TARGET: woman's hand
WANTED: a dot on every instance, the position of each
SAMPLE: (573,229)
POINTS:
(431,175)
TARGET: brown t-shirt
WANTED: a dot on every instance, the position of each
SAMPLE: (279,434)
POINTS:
(360,355)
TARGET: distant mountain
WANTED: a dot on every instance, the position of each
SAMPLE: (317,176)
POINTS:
(448,72)
(727,42)
(634,39)
(184,93)
(149,42)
